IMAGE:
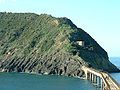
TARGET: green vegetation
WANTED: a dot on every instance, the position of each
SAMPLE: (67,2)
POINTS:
(39,43)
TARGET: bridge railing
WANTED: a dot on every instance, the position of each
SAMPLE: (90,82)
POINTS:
(107,86)
(109,82)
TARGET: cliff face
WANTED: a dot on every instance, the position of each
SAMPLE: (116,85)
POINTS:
(47,45)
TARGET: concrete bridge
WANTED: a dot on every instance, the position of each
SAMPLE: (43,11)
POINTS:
(100,79)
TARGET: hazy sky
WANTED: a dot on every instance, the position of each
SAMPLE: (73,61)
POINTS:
(100,18)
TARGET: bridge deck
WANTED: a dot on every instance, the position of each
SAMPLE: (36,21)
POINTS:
(103,79)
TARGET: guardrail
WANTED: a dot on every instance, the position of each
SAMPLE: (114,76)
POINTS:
(100,79)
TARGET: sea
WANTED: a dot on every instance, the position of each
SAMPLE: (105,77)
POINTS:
(116,62)
(24,81)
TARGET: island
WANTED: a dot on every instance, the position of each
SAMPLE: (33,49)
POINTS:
(44,44)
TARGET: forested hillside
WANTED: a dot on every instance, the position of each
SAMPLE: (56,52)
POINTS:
(46,44)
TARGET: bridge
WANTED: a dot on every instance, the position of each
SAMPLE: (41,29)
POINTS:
(100,79)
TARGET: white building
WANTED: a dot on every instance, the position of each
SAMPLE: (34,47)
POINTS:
(81,43)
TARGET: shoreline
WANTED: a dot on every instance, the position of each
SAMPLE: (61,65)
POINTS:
(34,73)
(46,73)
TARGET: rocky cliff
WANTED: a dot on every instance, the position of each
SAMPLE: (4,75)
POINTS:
(48,45)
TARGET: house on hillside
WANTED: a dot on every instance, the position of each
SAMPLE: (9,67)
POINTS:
(81,43)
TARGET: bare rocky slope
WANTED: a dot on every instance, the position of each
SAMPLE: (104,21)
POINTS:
(48,45)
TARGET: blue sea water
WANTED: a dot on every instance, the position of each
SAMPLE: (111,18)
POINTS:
(116,61)
(22,81)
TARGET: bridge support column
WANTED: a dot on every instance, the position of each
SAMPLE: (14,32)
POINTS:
(86,74)
(103,85)
(95,79)
(91,77)
(99,82)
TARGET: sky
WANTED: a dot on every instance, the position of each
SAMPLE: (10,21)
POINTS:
(100,18)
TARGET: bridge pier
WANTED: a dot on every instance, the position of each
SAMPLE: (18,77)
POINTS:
(99,82)
(90,76)
(96,80)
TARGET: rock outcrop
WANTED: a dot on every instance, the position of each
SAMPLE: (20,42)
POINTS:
(48,45)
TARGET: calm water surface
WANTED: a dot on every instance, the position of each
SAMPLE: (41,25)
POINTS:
(116,61)
(16,81)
